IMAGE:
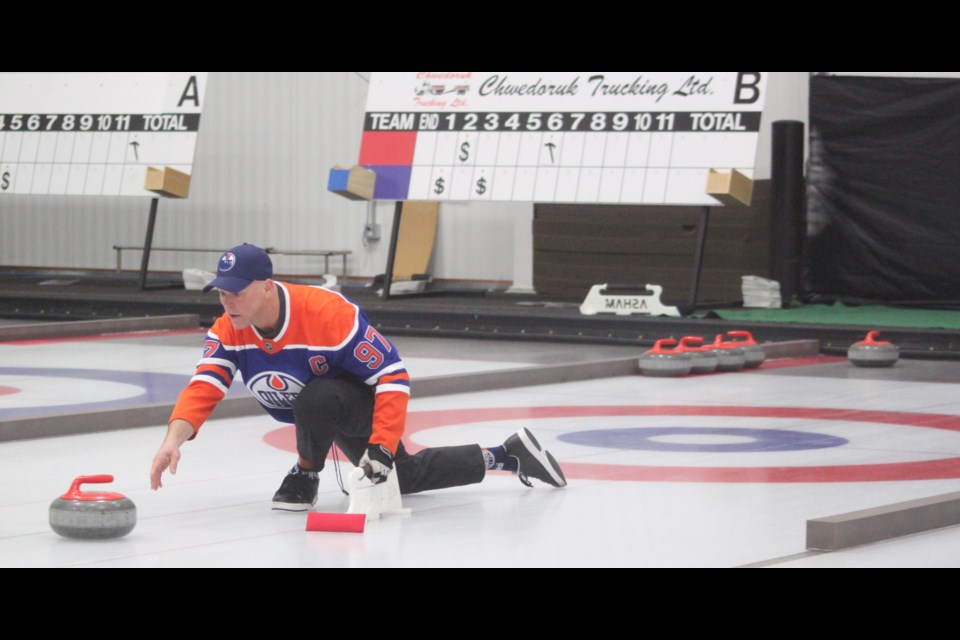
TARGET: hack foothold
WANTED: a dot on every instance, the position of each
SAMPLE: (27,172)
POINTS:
(92,515)
(367,502)
(336,522)
(871,352)
(662,362)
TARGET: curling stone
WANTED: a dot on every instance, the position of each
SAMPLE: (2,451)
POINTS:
(873,353)
(704,359)
(730,356)
(663,362)
(92,514)
(754,355)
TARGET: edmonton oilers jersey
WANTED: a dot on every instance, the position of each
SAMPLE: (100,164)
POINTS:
(322,335)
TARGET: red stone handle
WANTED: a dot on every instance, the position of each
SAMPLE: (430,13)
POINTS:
(871,339)
(74,492)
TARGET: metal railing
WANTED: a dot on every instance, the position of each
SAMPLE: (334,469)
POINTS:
(326,254)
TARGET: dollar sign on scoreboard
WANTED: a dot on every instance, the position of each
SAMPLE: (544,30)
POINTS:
(464,151)
(438,186)
(5,180)
(481,186)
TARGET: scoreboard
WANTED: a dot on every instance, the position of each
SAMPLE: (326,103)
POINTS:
(95,133)
(597,137)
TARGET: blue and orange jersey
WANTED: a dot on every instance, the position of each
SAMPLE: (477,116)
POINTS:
(322,335)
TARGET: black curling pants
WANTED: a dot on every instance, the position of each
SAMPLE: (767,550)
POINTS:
(341,410)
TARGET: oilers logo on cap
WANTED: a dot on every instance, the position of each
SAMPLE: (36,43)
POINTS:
(227,262)
(240,266)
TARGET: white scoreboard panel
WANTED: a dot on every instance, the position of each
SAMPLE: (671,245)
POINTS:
(95,133)
(598,137)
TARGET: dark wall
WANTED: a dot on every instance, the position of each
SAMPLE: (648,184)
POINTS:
(577,246)
(884,188)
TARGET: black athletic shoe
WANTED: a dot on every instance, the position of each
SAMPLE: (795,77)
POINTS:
(298,492)
(534,462)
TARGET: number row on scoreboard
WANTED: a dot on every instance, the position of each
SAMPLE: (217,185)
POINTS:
(564,121)
(105,122)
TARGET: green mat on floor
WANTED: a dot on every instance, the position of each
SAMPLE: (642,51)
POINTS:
(838,313)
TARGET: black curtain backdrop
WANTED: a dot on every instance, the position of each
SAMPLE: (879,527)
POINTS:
(884,188)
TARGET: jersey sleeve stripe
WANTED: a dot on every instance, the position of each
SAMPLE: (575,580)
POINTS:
(218,372)
(396,366)
(385,388)
(402,377)
(211,380)
(226,364)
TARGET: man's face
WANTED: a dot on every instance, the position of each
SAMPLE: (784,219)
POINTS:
(245,307)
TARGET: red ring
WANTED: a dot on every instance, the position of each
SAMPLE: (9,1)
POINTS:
(938,469)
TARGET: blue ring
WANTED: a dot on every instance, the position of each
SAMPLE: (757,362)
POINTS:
(157,388)
(764,440)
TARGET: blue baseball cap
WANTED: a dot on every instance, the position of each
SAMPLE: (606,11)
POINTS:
(240,266)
